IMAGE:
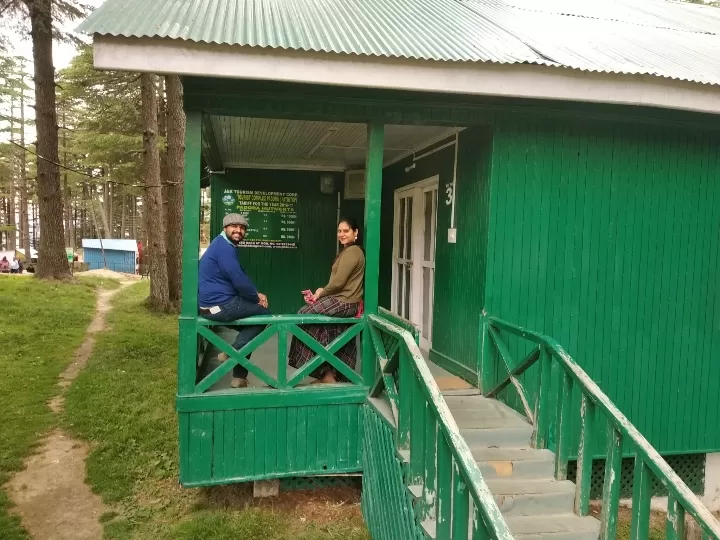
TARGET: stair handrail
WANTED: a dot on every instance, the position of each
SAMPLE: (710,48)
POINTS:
(681,499)
(468,469)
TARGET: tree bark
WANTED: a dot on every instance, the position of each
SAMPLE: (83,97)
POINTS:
(24,215)
(11,234)
(175,183)
(52,259)
(152,202)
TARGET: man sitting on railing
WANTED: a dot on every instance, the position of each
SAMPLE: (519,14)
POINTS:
(226,293)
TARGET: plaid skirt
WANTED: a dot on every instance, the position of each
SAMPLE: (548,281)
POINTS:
(301,354)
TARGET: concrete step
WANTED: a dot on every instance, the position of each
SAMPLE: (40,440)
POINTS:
(552,527)
(517,436)
(528,497)
(514,462)
(555,527)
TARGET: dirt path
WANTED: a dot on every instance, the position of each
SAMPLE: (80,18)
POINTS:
(50,494)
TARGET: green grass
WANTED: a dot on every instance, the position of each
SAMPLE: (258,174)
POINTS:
(97,282)
(42,325)
(123,402)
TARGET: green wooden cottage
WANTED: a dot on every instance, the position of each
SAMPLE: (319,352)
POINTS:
(537,182)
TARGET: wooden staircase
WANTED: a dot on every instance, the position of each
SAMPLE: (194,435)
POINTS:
(534,504)
(459,465)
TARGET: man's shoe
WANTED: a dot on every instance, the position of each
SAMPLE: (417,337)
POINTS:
(237,382)
(222,357)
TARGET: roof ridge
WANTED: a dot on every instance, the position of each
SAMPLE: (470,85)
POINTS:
(509,4)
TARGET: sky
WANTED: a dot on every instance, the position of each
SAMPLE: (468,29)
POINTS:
(63,53)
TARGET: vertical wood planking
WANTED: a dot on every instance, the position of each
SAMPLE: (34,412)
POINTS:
(373,199)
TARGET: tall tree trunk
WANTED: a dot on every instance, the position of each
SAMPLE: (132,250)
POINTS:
(11,234)
(175,182)
(103,206)
(123,209)
(52,259)
(24,215)
(152,202)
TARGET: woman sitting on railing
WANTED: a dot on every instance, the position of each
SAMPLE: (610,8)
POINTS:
(341,297)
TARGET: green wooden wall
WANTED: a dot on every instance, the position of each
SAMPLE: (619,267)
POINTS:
(223,446)
(605,236)
(283,273)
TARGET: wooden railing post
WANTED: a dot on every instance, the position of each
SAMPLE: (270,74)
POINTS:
(640,526)
(585,457)
(544,411)
(373,198)
(187,346)
(611,486)
(486,373)
(563,426)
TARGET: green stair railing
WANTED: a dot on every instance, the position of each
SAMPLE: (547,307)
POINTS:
(550,409)
(453,500)
(283,326)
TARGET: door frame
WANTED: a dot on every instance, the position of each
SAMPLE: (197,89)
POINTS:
(416,273)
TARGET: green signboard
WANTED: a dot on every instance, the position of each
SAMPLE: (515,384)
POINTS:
(272,216)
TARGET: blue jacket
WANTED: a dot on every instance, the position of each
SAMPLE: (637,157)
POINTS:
(221,277)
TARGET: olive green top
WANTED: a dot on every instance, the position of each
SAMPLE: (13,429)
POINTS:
(347,276)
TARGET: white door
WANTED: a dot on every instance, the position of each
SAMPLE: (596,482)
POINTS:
(414,255)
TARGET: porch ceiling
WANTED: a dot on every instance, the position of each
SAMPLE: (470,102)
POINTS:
(262,142)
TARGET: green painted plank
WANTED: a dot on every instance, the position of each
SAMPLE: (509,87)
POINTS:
(291,449)
(343,438)
(611,487)
(417,433)
(218,445)
(444,488)
(310,422)
(674,521)
(430,463)
(252,429)
(260,398)
(332,438)
(241,433)
(282,356)
(275,320)
(271,435)
(640,526)
(585,459)
(460,507)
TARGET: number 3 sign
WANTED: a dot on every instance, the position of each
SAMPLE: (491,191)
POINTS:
(449,194)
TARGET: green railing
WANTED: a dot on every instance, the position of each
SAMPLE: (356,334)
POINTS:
(551,410)
(441,469)
(283,326)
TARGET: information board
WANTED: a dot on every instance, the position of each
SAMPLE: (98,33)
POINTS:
(272,216)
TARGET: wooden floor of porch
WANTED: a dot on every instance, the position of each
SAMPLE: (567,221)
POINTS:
(265,357)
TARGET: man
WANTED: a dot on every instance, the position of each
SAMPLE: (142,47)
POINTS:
(14,266)
(226,292)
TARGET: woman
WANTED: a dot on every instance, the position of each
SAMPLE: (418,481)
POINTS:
(341,297)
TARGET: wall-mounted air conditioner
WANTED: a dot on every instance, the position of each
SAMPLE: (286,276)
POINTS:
(355,184)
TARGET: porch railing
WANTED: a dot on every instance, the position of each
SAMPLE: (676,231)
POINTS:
(550,409)
(283,326)
(441,469)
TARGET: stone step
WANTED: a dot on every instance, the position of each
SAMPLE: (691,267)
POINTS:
(552,527)
(532,497)
(514,462)
(555,527)
(513,436)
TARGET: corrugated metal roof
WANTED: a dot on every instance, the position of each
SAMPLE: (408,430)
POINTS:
(111,244)
(422,29)
(653,37)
